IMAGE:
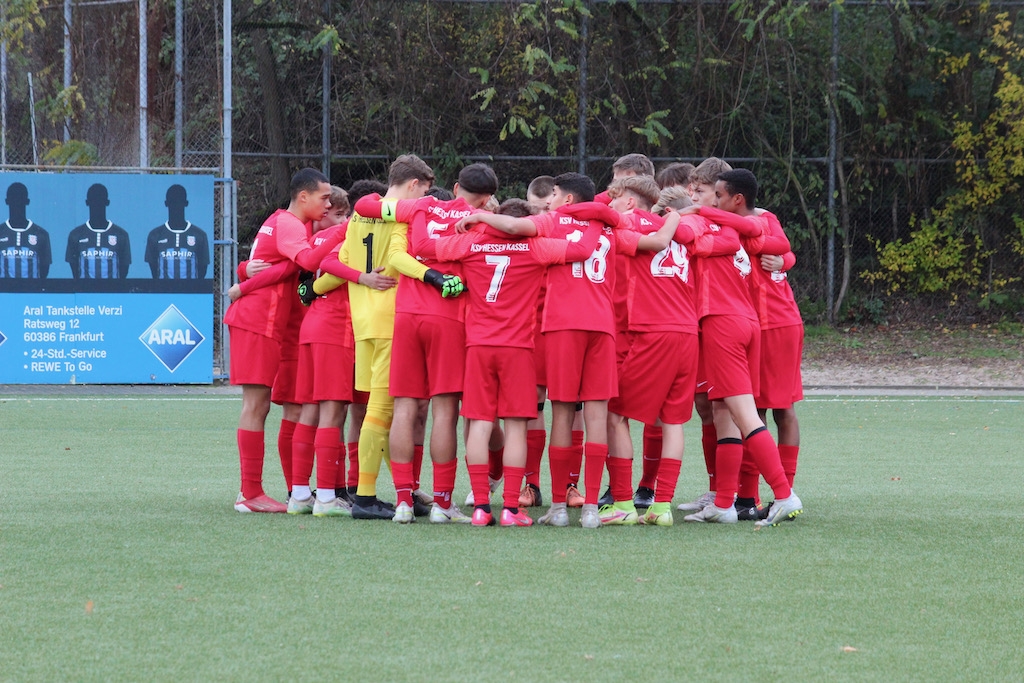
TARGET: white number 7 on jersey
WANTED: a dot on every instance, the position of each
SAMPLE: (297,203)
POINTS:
(500,264)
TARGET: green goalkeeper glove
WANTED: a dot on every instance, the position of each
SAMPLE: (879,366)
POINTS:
(306,293)
(449,285)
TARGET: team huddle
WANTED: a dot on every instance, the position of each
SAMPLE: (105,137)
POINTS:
(662,294)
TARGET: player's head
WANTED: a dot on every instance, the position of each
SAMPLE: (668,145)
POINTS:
(703,179)
(310,195)
(361,188)
(17,196)
(442,194)
(409,177)
(176,197)
(672,197)
(676,173)
(96,196)
(338,212)
(477,183)
(736,191)
(571,188)
(539,192)
(632,165)
(515,207)
(633,192)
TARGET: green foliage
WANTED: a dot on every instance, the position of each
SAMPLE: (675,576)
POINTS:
(18,18)
(72,153)
(938,257)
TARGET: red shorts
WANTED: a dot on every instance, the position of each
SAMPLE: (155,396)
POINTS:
(500,382)
(581,366)
(781,382)
(285,383)
(702,374)
(325,373)
(731,346)
(623,340)
(540,349)
(658,378)
(254,357)
(360,398)
(427,356)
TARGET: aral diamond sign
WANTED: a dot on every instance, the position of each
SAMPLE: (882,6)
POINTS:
(171,338)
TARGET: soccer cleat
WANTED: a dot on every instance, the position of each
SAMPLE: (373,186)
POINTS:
(530,496)
(421,496)
(573,497)
(482,517)
(344,495)
(658,514)
(336,507)
(781,511)
(699,504)
(421,509)
(751,513)
(374,510)
(520,518)
(300,507)
(404,514)
(644,497)
(713,513)
(260,503)
(589,517)
(606,498)
(618,514)
(557,515)
(492,483)
(440,515)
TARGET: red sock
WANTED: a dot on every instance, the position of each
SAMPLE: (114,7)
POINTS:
(328,455)
(789,455)
(494,460)
(513,482)
(749,477)
(444,482)
(339,472)
(709,442)
(250,460)
(594,455)
(559,460)
(478,482)
(728,456)
(620,478)
(353,465)
(575,463)
(652,456)
(668,477)
(535,439)
(417,465)
(766,455)
(284,449)
(401,473)
(302,454)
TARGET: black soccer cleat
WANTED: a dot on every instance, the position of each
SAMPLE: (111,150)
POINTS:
(606,498)
(374,509)
(751,513)
(643,498)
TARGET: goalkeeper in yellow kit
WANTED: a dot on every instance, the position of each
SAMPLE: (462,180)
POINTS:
(381,245)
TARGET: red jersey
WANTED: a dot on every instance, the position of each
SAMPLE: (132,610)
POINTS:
(579,294)
(661,291)
(773,297)
(429,219)
(503,275)
(328,320)
(721,267)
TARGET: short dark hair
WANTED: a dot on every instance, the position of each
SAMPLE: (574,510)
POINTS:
(741,181)
(409,167)
(676,173)
(541,186)
(361,188)
(478,179)
(578,185)
(441,193)
(306,180)
(519,208)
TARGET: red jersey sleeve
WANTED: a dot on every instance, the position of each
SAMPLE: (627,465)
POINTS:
(747,226)
(451,248)
(627,241)
(372,206)
(775,242)
(331,264)
(603,198)
(593,211)
(788,261)
(279,272)
(545,223)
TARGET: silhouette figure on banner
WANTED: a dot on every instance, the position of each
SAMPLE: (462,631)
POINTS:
(24,246)
(98,249)
(177,250)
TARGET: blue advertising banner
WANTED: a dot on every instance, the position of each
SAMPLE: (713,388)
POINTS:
(106,278)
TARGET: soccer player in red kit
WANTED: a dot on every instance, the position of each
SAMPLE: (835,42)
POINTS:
(427,328)
(258,324)
(730,343)
(503,276)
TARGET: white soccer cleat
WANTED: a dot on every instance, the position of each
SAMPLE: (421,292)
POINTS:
(589,517)
(699,504)
(556,516)
(404,514)
(715,514)
(781,511)
(452,515)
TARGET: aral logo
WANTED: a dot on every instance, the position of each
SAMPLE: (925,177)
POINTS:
(171,338)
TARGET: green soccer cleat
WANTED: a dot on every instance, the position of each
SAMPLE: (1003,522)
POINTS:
(619,514)
(336,507)
(300,507)
(658,514)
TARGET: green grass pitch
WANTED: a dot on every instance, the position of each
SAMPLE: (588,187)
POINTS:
(121,558)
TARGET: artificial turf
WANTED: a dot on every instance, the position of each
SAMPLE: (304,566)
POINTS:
(121,558)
